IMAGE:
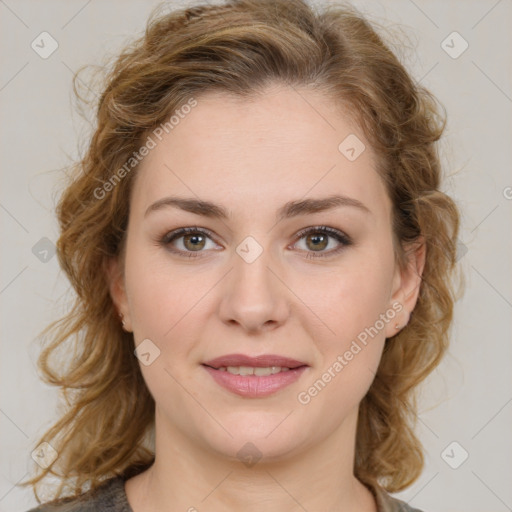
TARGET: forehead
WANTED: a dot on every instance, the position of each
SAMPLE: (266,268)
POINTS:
(285,142)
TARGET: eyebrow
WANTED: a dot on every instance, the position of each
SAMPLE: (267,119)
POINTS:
(289,210)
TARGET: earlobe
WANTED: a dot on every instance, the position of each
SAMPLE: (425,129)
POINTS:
(406,291)
(115,279)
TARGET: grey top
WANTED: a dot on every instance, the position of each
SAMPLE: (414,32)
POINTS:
(110,496)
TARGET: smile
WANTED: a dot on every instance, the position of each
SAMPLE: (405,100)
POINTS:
(251,385)
(258,371)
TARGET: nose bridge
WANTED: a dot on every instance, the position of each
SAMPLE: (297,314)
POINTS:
(251,266)
(253,296)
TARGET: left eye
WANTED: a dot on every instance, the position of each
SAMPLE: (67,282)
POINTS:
(316,240)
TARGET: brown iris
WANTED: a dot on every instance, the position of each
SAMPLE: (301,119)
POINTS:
(195,240)
(320,241)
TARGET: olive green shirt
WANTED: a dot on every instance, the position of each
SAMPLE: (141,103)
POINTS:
(110,496)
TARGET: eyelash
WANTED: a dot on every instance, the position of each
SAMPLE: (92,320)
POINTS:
(341,237)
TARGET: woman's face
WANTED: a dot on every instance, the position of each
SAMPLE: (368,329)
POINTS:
(270,270)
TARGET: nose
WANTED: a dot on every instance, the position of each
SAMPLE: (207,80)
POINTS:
(253,297)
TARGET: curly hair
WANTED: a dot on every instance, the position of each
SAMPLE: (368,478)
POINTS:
(239,47)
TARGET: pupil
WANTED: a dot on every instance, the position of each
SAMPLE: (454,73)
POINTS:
(322,239)
(194,239)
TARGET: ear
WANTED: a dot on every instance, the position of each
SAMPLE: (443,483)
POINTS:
(406,286)
(115,278)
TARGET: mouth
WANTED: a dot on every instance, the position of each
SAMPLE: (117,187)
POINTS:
(259,371)
(254,377)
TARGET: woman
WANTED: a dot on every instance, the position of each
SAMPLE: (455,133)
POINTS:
(262,258)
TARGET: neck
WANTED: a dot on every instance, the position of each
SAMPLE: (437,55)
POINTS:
(187,477)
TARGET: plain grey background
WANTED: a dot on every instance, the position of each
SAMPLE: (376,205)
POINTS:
(466,401)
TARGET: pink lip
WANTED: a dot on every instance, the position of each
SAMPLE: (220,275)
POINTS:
(253,386)
(256,362)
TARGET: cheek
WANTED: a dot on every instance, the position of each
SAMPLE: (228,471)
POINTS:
(353,303)
(151,305)
(159,296)
(348,357)
(352,297)
(163,305)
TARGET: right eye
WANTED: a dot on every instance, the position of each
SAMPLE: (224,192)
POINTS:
(187,241)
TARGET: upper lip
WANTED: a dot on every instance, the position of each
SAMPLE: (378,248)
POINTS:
(261,361)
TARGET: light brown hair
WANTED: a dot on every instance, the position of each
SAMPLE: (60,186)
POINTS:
(240,47)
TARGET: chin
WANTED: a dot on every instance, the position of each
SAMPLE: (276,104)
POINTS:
(260,437)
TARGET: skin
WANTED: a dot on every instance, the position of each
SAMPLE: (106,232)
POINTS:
(253,156)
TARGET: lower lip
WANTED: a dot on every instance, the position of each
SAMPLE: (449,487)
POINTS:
(254,386)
